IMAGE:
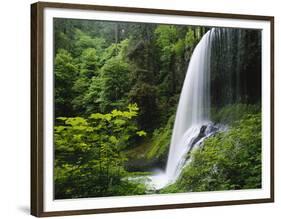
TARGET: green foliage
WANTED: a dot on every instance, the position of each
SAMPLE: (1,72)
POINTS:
(145,61)
(89,152)
(116,83)
(189,38)
(179,47)
(102,85)
(167,36)
(141,133)
(102,66)
(65,75)
(161,141)
(89,63)
(115,50)
(88,67)
(152,151)
(92,98)
(175,40)
(176,44)
(233,112)
(226,161)
(80,87)
(145,94)
(84,41)
(63,32)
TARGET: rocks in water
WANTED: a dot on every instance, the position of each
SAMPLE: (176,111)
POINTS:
(205,131)
(201,135)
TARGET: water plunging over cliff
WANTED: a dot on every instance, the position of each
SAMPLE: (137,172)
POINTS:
(193,112)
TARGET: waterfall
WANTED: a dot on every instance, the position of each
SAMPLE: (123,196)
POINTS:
(223,54)
(194,105)
(193,112)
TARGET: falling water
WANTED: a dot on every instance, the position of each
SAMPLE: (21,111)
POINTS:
(228,49)
(193,111)
(194,104)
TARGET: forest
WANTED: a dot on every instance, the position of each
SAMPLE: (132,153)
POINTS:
(117,88)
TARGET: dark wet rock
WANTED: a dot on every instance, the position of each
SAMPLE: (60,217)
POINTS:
(201,135)
(205,130)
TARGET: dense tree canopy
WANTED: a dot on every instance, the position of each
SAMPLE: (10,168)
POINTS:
(117,86)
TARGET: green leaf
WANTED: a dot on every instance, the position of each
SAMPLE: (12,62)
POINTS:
(141,133)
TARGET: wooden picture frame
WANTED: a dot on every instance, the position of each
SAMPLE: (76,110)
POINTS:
(38,104)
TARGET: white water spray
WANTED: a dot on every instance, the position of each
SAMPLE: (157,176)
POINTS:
(192,113)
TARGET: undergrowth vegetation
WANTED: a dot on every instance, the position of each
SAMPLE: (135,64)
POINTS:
(229,160)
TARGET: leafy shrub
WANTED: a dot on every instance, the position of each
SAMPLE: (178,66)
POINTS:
(161,141)
(233,112)
(89,159)
(226,161)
